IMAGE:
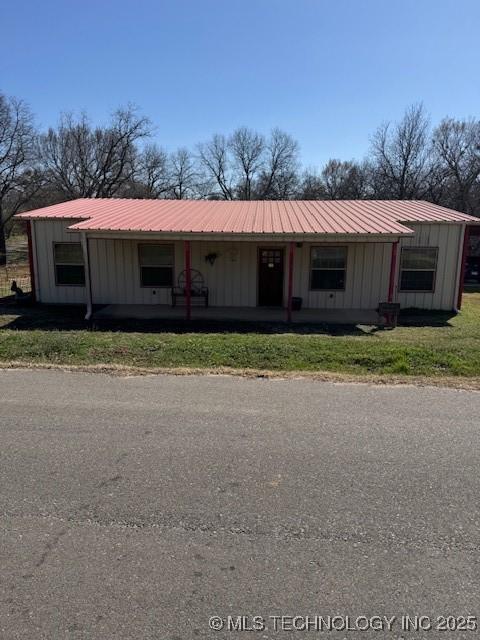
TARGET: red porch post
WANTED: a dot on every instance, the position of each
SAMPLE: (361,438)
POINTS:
(463,266)
(393,269)
(291,255)
(30,259)
(188,280)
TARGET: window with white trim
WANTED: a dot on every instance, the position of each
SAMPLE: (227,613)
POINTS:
(328,268)
(156,264)
(69,267)
(418,266)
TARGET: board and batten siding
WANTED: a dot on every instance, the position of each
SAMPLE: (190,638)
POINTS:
(232,279)
(449,240)
(46,233)
(366,281)
(116,272)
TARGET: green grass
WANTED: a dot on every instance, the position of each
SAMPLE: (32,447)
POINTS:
(451,349)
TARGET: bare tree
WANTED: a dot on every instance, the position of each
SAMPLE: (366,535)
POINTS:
(152,177)
(82,161)
(279,178)
(247,148)
(215,162)
(457,147)
(438,185)
(343,180)
(183,175)
(399,156)
(334,177)
(311,186)
(19,177)
(246,166)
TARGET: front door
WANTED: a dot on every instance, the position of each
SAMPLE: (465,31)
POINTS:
(270,277)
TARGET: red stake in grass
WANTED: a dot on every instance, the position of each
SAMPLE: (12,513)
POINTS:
(393,269)
(463,267)
(30,259)
(291,255)
(188,280)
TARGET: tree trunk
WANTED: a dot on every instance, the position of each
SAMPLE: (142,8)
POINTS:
(3,246)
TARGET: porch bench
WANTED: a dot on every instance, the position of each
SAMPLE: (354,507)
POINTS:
(198,290)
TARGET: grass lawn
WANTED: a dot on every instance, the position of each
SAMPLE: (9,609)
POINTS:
(451,347)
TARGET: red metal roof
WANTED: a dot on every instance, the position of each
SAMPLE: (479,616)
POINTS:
(249,217)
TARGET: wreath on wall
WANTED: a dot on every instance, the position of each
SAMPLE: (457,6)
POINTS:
(211,257)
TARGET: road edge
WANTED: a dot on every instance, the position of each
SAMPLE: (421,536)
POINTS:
(470,384)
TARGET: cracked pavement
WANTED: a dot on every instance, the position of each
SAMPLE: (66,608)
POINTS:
(138,507)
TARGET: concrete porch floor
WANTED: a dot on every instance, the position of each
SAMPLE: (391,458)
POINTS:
(240,314)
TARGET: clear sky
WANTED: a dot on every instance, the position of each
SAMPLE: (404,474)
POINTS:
(328,72)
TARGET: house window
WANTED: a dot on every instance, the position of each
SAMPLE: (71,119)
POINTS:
(328,268)
(417,268)
(156,265)
(69,269)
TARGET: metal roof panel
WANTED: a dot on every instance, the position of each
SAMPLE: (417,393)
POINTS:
(249,217)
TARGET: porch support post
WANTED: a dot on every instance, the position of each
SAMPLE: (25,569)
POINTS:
(86,266)
(291,255)
(31,261)
(188,280)
(393,269)
(463,266)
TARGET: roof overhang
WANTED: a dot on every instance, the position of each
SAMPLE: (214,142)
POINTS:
(243,237)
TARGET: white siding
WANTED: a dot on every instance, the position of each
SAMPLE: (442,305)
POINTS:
(116,274)
(46,233)
(366,283)
(232,279)
(448,239)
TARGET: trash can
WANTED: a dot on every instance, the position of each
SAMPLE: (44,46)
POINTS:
(296,303)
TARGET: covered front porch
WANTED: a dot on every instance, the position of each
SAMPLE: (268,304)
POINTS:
(252,279)
(235,314)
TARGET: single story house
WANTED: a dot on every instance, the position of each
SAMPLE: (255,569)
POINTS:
(254,259)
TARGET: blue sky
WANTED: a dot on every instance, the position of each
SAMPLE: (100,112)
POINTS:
(328,72)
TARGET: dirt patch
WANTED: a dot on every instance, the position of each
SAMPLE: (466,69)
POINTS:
(470,384)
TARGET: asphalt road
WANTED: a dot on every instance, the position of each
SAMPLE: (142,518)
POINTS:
(139,507)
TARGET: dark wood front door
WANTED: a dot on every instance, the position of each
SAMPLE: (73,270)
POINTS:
(270,277)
